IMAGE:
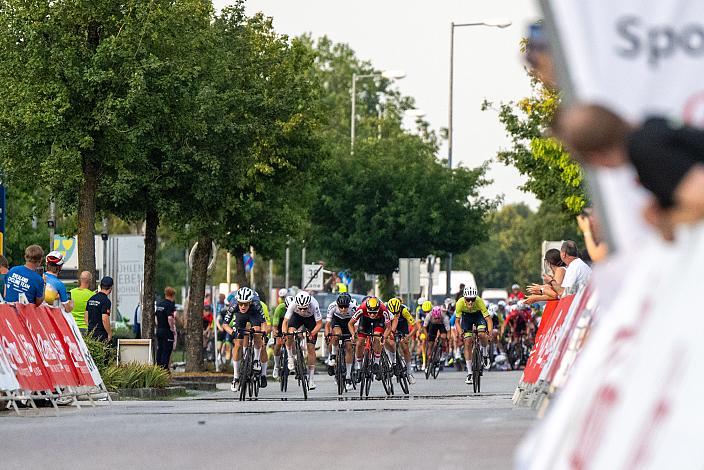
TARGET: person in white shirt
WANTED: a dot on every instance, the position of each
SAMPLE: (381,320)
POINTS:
(577,273)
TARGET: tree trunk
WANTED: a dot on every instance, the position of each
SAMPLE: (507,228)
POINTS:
(386,286)
(194,322)
(241,277)
(148,288)
(86,219)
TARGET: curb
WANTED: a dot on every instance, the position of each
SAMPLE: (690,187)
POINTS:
(151,393)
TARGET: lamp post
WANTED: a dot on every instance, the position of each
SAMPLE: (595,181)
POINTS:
(390,74)
(498,23)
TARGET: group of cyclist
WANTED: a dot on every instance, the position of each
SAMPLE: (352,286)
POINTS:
(391,324)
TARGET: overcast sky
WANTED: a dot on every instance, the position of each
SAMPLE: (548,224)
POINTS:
(413,36)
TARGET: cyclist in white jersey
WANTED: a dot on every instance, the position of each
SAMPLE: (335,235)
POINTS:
(303,311)
(337,322)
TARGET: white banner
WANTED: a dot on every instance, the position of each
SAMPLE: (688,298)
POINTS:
(637,57)
(8,382)
(632,399)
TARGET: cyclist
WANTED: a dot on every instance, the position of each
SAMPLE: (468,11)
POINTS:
(244,312)
(515,294)
(471,310)
(373,318)
(338,322)
(277,323)
(436,323)
(224,338)
(303,311)
(405,325)
(421,312)
(456,341)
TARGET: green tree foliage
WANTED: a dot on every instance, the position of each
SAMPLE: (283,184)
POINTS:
(552,175)
(512,252)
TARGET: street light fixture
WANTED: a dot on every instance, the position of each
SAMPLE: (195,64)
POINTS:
(388,74)
(491,23)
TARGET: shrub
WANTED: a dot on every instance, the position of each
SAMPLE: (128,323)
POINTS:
(134,375)
(104,355)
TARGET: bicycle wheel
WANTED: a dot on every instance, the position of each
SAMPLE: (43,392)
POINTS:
(363,376)
(476,368)
(243,375)
(429,364)
(385,379)
(303,376)
(256,382)
(403,373)
(283,371)
(341,372)
(438,355)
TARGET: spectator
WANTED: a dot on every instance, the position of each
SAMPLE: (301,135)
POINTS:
(577,272)
(207,316)
(458,294)
(221,303)
(4,267)
(597,249)
(24,281)
(165,328)
(80,296)
(555,274)
(515,294)
(55,291)
(98,311)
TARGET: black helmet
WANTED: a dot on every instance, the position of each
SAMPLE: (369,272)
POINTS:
(343,300)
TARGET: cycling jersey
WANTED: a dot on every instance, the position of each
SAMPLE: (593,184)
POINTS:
(279,313)
(334,310)
(441,320)
(406,316)
(236,319)
(382,314)
(478,306)
(312,311)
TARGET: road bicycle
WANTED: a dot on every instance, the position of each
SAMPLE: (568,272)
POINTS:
(401,367)
(250,380)
(340,364)
(366,377)
(299,337)
(432,369)
(477,362)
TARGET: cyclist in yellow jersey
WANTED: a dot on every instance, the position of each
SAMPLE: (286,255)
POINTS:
(471,310)
(404,323)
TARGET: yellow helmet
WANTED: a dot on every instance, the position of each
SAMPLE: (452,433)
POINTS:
(394,305)
(427,306)
(373,305)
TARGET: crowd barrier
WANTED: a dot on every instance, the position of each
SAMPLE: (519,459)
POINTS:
(623,373)
(43,355)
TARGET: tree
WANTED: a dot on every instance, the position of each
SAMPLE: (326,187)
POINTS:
(552,175)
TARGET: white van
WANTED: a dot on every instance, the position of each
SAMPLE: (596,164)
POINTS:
(492,296)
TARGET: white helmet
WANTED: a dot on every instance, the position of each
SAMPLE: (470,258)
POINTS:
(469,292)
(244,295)
(502,304)
(288,300)
(303,299)
(421,300)
(283,292)
(515,286)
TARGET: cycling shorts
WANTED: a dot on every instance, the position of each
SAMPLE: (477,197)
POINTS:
(368,326)
(298,321)
(434,329)
(402,327)
(342,323)
(471,319)
(241,320)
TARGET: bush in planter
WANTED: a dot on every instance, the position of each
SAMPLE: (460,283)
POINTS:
(134,375)
(104,355)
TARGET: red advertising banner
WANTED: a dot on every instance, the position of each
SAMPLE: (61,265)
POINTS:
(21,352)
(70,345)
(47,342)
(549,324)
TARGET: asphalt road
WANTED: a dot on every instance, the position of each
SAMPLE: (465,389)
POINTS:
(441,425)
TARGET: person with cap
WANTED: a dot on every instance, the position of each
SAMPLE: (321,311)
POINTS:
(55,293)
(98,311)
(515,294)
(23,282)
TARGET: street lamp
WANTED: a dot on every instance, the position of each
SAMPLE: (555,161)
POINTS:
(492,23)
(388,74)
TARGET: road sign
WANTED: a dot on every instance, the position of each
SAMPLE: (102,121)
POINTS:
(409,275)
(313,277)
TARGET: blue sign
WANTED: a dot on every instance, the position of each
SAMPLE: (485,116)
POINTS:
(248,263)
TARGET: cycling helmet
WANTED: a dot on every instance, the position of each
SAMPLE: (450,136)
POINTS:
(421,300)
(373,305)
(244,295)
(283,292)
(394,305)
(55,258)
(436,312)
(502,304)
(343,300)
(288,300)
(427,306)
(469,292)
(303,299)
(231,298)
(515,287)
